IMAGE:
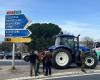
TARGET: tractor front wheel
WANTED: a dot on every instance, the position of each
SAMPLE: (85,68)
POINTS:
(90,61)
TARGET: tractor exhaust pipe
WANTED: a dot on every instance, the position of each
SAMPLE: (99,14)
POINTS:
(78,41)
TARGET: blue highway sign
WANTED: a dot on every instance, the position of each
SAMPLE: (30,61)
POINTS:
(17,33)
(15,21)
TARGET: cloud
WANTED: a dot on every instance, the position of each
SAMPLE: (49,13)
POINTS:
(83,29)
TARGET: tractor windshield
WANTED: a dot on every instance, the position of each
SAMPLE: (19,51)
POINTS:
(67,41)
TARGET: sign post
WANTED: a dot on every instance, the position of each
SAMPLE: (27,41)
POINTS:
(15,30)
(13,57)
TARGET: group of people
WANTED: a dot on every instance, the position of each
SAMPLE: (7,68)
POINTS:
(44,57)
(36,58)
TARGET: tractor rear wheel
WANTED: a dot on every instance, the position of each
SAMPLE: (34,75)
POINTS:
(90,61)
(61,58)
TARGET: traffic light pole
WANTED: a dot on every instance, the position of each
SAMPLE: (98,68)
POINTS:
(13,57)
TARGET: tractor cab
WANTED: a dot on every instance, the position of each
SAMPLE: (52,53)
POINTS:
(69,41)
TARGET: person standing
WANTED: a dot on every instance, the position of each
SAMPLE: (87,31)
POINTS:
(43,61)
(38,61)
(32,60)
(40,58)
(82,55)
(48,63)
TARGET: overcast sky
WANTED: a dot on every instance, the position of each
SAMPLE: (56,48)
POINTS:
(74,16)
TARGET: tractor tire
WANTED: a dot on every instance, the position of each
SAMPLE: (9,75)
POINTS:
(90,61)
(61,58)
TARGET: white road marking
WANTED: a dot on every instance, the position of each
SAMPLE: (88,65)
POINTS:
(69,76)
(59,75)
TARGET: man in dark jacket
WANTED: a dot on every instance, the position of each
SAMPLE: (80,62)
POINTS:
(32,62)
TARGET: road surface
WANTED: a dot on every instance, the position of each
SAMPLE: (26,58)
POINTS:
(23,68)
(82,77)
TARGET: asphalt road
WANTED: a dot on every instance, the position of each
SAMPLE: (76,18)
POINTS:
(85,77)
(23,71)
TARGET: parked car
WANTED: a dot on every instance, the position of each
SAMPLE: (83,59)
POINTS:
(18,55)
(1,55)
(8,55)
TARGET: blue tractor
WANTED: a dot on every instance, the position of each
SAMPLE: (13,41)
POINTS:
(67,51)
